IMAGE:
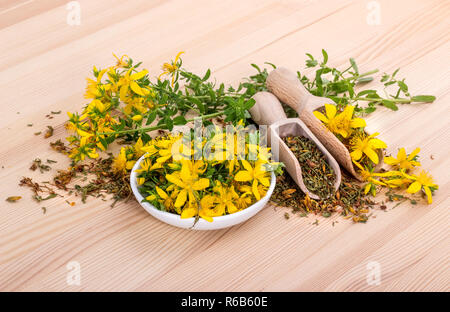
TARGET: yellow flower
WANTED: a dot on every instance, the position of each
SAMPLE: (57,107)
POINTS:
(94,110)
(138,103)
(138,148)
(243,201)
(120,162)
(171,69)
(256,175)
(124,160)
(208,209)
(137,118)
(168,201)
(370,176)
(92,88)
(146,165)
(424,182)
(226,199)
(396,179)
(121,62)
(248,190)
(361,144)
(129,81)
(342,123)
(188,182)
(403,161)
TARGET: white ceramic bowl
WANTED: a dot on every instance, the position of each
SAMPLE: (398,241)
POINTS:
(217,223)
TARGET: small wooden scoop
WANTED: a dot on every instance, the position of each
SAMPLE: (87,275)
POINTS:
(285,85)
(268,111)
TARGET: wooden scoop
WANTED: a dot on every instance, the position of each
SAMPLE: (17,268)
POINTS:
(285,85)
(268,111)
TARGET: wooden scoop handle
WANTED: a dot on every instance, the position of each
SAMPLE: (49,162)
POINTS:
(267,109)
(285,85)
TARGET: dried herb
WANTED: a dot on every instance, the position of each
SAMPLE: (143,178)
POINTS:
(37,133)
(350,200)
(13,199)
(38,189)
(44,210)
(37,164)
(105,180)
(40,198)
(317,174)
(59,146)
(49,132)
(56,113)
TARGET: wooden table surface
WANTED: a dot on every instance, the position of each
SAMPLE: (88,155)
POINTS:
(43,65)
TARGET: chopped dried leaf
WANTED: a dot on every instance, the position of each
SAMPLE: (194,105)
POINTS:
(49,132)
(13,199)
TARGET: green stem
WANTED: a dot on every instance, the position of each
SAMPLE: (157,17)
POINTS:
(367,73)
(376,99)
(162,126)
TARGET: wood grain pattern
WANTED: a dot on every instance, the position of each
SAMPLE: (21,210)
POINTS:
(43,65)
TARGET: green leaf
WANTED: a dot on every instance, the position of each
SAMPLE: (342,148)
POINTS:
(390,104)
(206,76)
(151,117)
(402,86)
(364,92)
(423,98)
(179,120)
(364,79)
(354,66)
(257,68)
(325,57)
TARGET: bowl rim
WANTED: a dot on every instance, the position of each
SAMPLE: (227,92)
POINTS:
(174,216)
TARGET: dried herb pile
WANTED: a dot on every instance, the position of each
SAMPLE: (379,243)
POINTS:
(350,200)
(95,178)
(317,174)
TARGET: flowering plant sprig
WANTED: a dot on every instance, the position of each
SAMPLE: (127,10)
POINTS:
(364,150)
(125,104)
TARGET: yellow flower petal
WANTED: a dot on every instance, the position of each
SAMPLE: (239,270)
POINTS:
(428,193)
(390,160)
(264,181)
(330,110)
(320,116)
(414,153)
(139,75)
(372,155)
(173,179)
(188,212)
(367,188)
(401,155)
(358,123)
(150,198)
(136,88)
(200,184)
(414,187)
(356,155)
(161,193)
(181,199)
(247,165)
(243,176)
(231,207)
(377,143)
(255,190)
(123,92)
